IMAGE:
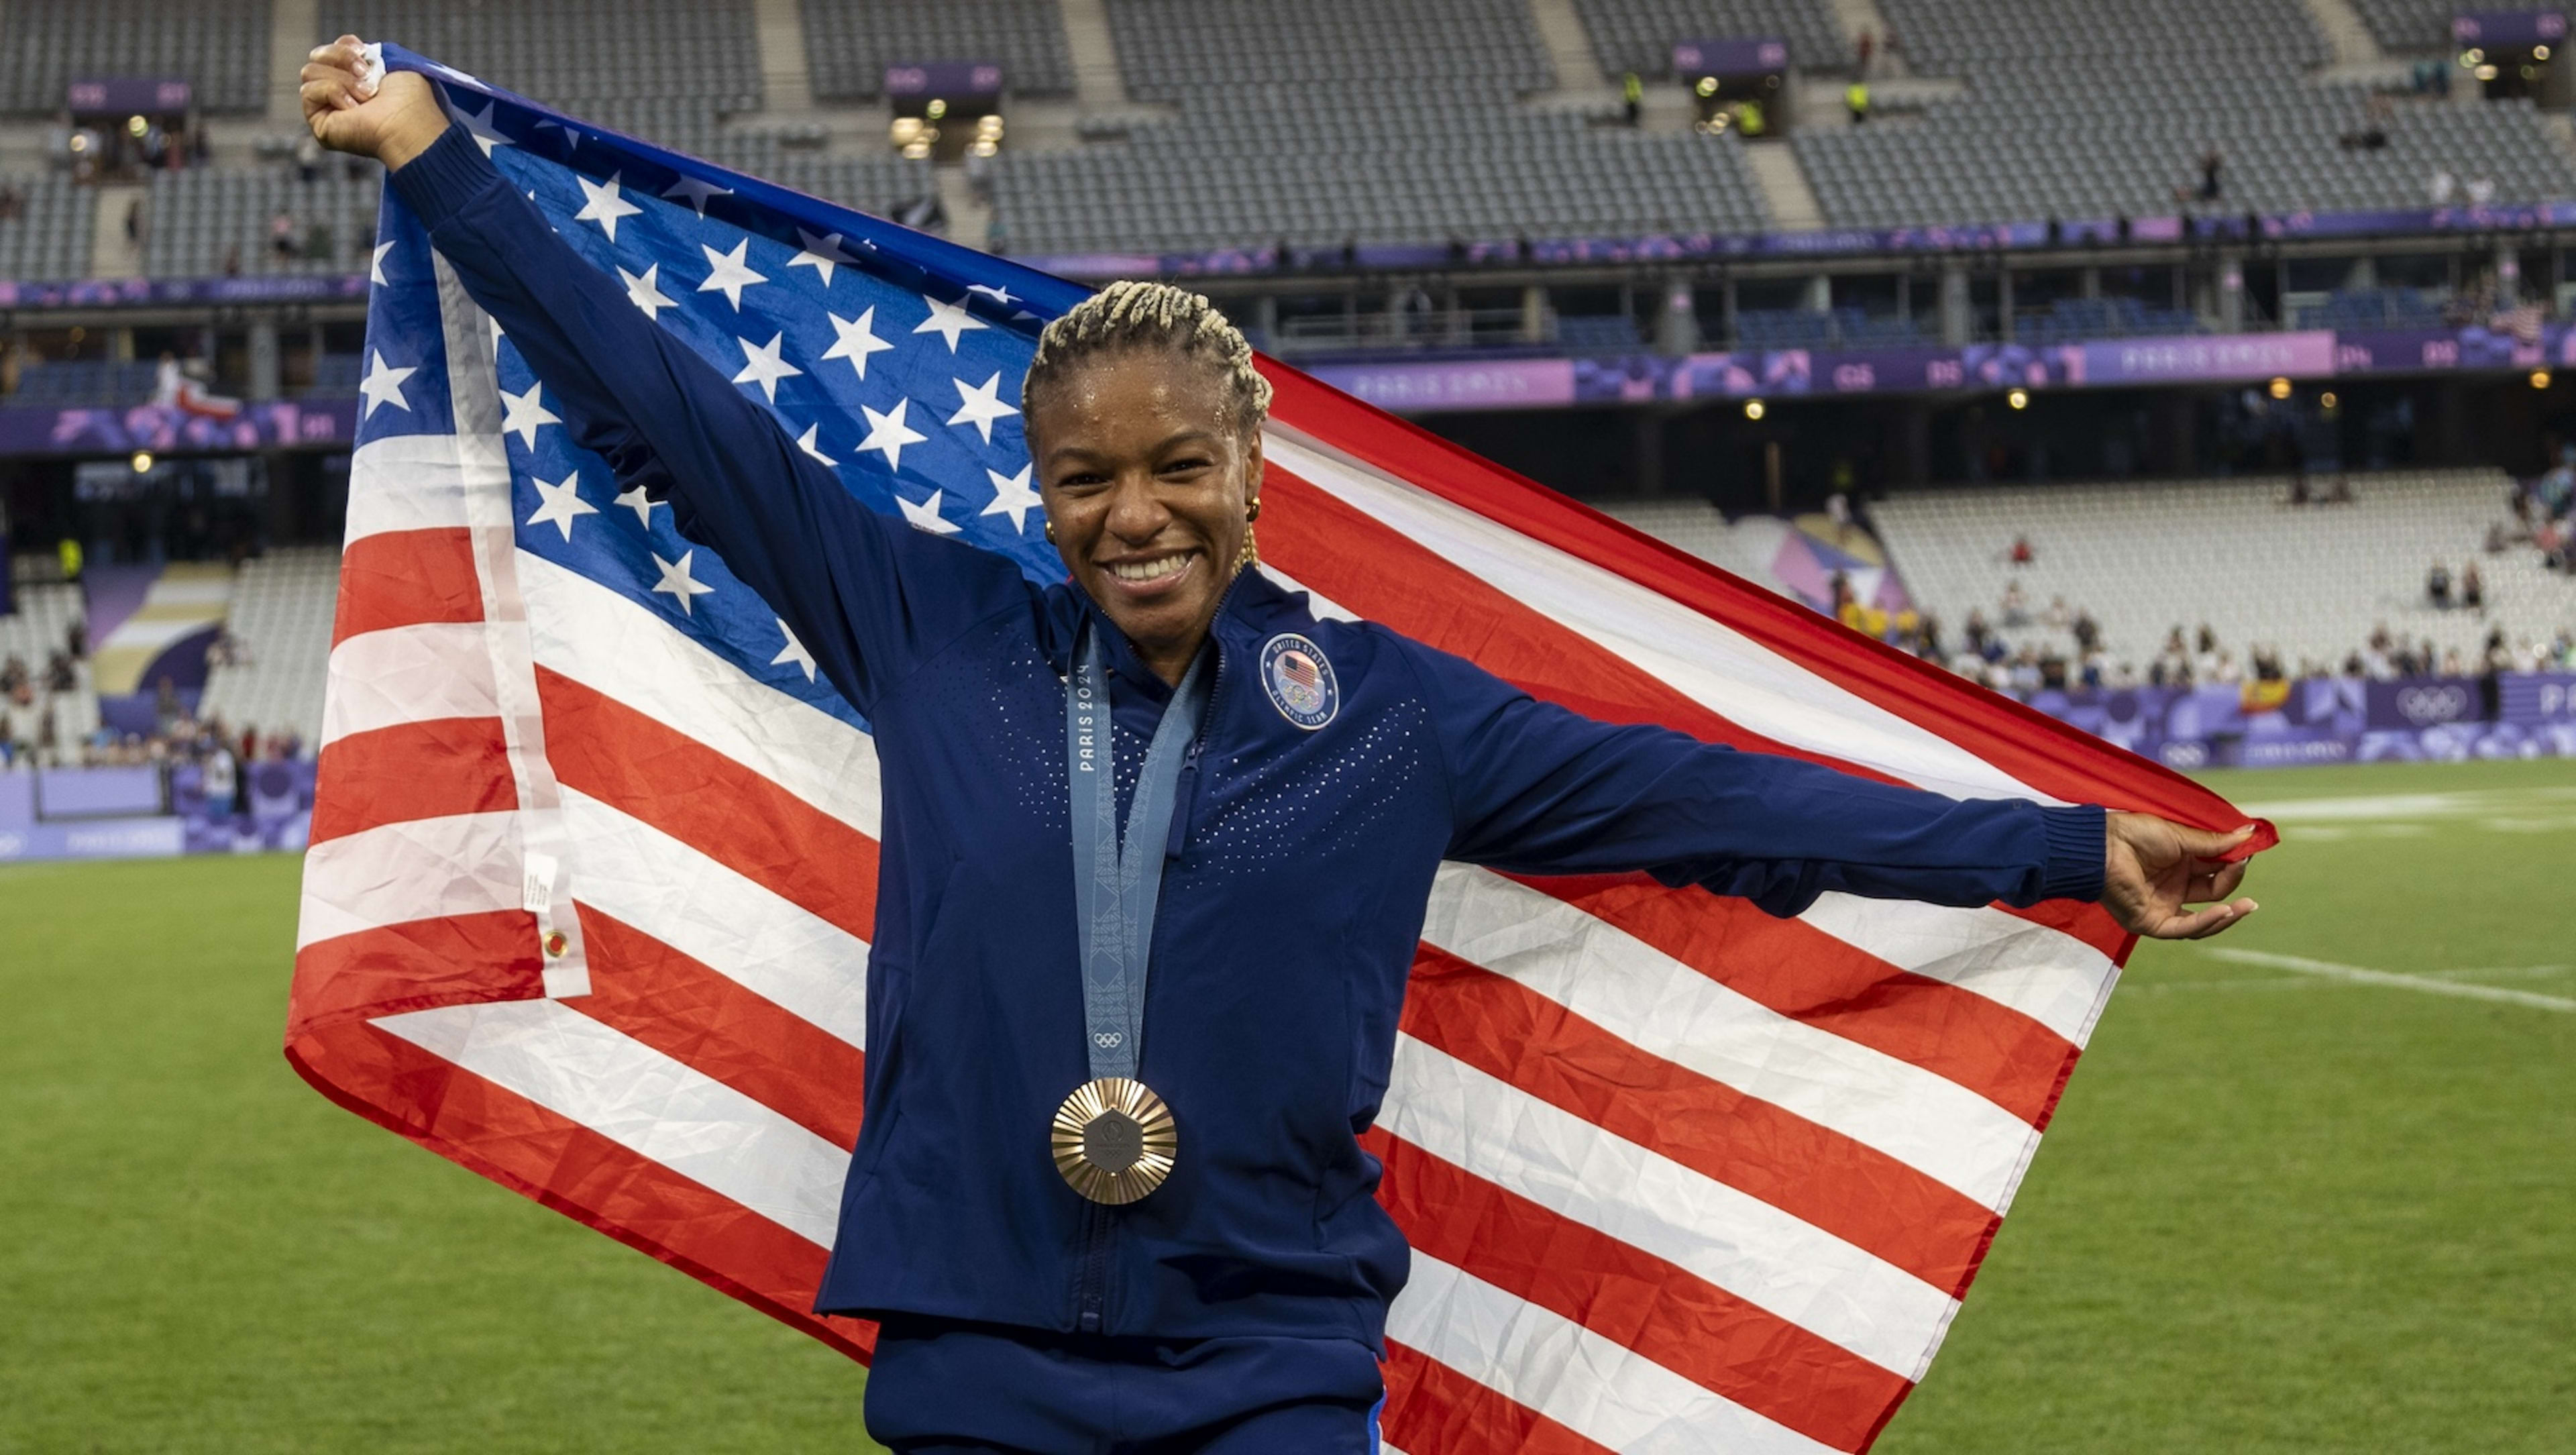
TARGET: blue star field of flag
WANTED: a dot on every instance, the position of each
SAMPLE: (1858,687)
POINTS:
(893,359)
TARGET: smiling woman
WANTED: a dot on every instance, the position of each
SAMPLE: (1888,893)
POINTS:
(1144,419)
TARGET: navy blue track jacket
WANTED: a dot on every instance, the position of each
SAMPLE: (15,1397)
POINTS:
(1299,867)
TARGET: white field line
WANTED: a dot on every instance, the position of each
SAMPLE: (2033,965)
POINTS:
(2358,975)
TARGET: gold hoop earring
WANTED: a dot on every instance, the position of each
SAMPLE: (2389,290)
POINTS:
(1050,532)
(1252,512)
(1250,555)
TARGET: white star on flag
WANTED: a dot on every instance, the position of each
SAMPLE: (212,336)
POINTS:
(479,126)
(731,273)
(998,295)
(603,203)
(376,264)
(857,340)
(764,367)
(806,443)
(677,581)
(645,291)
(695,192)
(522,413)
(793,652)
(384,385)
(822,254)
(888,434)
(634,499)
(562,503)
(572,138)
(980,404)
(925,516)
(948,320)
(1013,497)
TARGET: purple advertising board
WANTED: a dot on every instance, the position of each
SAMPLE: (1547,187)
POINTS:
(946,80)
(97,792)
(2329,720)
(2508,30)
(271,807)
(164,429)
(1732,56)
(125,95)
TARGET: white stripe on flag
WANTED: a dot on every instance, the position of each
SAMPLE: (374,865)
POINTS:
(2050,976)
(1666,1008)
(1602,1390)
(1703,659)
(412,482)
(407,674)
(703,909)
(644,1101)
(623,651)
(423,868)
(1732,1239)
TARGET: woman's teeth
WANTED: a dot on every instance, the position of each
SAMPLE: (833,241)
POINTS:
(1154,570)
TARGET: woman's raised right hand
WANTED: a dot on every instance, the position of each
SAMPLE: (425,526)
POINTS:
(394,125)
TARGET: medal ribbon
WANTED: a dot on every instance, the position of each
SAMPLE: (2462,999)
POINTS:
(1114,895)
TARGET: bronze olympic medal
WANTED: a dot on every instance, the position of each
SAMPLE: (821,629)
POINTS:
(1114,1140)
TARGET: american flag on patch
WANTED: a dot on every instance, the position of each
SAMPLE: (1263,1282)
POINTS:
(592,875)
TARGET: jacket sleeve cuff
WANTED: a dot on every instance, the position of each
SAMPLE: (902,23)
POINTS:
(439,182)
(2075,848)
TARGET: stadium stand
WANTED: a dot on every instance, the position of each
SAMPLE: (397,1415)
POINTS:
(2315,581)
(2410,27)
(2115,120)
(49,238)
(68,383)
(849,43)
(219,46)
(1638,35)
(209,221)
(669,68)
(1355,123)
(30,639)
(280,618)
(1745,547)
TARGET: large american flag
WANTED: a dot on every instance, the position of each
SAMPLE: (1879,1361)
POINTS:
(594,867)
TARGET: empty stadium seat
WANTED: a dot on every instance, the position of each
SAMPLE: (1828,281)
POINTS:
(849,43)
(282,605)
(219,46)
(1638,35)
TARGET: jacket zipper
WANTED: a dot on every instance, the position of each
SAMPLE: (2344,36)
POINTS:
(1091,1283)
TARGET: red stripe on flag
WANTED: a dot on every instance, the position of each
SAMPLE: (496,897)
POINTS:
(2052,757)
(405,578)
(1812,977)
(462,959)
(413,770)
(602,747)
(1355,559)
(716,1026)
(1684,1323)
(1855,1192)
(577,1172)
(1431,1407)
(2090,923)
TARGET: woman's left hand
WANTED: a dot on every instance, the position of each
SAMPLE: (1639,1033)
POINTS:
(2152,868)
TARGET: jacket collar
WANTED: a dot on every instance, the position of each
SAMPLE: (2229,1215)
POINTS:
(1242,615)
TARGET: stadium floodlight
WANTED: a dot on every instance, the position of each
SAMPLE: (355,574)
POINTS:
(2018,398)
(2328,402)
(1753,409)
(142,462)
(2280,388)
(2540,378)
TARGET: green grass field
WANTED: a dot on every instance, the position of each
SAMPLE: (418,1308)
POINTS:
(2280,1209)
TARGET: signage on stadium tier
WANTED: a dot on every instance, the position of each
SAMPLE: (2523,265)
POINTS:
(948,80)
(1743,56)
(126,95)
(168,429)
(2508,30)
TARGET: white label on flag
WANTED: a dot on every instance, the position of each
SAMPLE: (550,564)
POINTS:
(537,885)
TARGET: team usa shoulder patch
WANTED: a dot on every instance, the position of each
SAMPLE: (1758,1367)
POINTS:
(1299,678)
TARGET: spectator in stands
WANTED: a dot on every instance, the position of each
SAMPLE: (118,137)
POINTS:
(1632,98)
(2473,588)
(2210,165)
(281,235)
(2481,190)
(2021,554)
(1862,48)
(13,203)
(1856,101)
(2016,606)
(2443,187)
(232,260)
(2437,586)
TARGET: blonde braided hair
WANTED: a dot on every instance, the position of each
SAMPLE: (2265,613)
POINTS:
(1137,315)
